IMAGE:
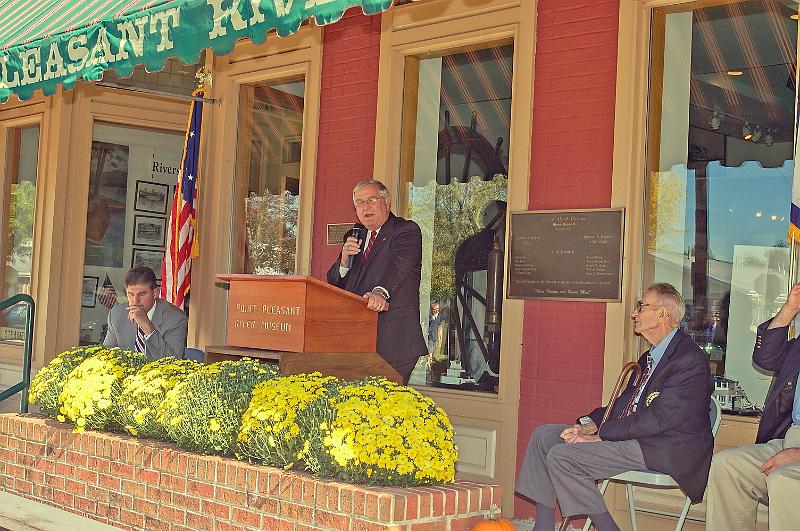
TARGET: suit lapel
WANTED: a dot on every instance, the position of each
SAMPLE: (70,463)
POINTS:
(673,344)
(377,247)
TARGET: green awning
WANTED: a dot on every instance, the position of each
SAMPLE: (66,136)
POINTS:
(44,43)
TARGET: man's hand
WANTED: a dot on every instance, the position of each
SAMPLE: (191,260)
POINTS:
(376,302)
(789,309)
(785,457)
(578,431)
(351,247)
(138,315)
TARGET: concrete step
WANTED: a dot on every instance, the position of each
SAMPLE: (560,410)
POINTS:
(22,514)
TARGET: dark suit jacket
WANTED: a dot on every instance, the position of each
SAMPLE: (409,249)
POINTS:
(775,352)
(168,339)
(674,429)
(395,262)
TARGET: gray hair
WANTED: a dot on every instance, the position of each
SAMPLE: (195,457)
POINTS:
(669,298)
(382,190)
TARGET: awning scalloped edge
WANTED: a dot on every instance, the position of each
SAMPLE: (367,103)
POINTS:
(149,37)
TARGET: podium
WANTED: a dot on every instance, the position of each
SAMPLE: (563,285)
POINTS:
(304,325)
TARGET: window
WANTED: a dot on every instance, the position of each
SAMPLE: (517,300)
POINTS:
(268,175)
(720,166)
(22,156)
(132,176)
(454,160)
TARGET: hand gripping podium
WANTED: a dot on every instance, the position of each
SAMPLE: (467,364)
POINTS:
(303,324)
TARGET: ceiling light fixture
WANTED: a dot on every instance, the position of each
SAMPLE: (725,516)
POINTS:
(716,121)
(794,17)
(735,73)
(769,137)
(747,132)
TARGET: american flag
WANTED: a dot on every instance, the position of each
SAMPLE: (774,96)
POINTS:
(176,270)
(107,295)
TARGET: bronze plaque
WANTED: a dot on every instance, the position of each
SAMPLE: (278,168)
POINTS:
(336,232)
(566,255)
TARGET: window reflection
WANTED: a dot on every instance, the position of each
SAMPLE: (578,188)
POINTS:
(720,172)
(268,175)
(457,110)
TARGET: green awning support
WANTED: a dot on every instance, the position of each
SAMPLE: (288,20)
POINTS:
(44,43)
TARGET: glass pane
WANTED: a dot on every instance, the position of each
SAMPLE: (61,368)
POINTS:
(457,110)
(720,172)
(132,176)
(268,175)
(22,155)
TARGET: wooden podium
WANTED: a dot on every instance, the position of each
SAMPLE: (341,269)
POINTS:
(304,325)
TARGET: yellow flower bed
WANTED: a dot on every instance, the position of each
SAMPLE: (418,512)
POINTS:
(89,392)
(380,433)
(46,386)
(143,391)
(204,412)
(269,430)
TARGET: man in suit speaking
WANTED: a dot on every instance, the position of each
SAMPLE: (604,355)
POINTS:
(384,266)
(146,323)
(662,423)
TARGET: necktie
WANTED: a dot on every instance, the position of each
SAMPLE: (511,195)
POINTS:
(630,407)
(140,344)
(370,244)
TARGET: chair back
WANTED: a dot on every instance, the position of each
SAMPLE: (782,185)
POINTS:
(716,415)
(194,354)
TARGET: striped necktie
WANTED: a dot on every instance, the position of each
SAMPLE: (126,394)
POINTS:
(630,407)
(140,344)
(370,244)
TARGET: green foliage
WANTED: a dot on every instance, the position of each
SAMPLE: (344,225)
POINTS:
(144,391)
(204,412)
(20,221)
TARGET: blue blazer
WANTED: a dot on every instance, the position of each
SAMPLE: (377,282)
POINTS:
(672,421)
(775,352)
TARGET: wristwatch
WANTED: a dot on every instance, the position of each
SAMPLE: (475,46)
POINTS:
(380,290)
(585,421)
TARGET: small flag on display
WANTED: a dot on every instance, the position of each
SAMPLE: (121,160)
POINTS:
(107,295)
(794,212)
(181,246)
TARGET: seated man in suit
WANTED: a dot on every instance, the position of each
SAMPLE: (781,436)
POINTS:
(768,471)
(662,424)
(146,323)
(385,269)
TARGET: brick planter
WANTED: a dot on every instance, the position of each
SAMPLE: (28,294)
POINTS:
(145,484)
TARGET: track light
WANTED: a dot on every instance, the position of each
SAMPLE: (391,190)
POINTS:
(757,134)
(769,137)
(716,121)
(747,132)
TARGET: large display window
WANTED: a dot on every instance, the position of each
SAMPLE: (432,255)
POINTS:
(454,160)
(719,174)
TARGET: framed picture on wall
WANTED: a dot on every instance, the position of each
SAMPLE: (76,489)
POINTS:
(290,153)
(149,230)
(148,258)
(89,293)
(151,197)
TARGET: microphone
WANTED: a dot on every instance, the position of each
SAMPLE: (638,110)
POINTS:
(358,232)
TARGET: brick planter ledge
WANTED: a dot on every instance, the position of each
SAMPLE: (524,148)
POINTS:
(145,484)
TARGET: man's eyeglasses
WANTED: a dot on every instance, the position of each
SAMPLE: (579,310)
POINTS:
(359,203)
(641,306)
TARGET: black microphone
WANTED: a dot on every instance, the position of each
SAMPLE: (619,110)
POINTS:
(358,232)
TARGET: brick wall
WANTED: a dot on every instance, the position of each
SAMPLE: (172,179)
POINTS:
(571,159)
(141,484)
(348,106)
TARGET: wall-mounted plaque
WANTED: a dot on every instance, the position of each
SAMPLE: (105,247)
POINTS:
(336,232)
(566,255)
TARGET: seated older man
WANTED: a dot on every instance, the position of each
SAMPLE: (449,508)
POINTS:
(661,424)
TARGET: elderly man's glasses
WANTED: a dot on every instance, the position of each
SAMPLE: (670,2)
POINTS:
(641,306)
(359,203)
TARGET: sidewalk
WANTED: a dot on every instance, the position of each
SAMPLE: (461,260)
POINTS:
(22,514)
